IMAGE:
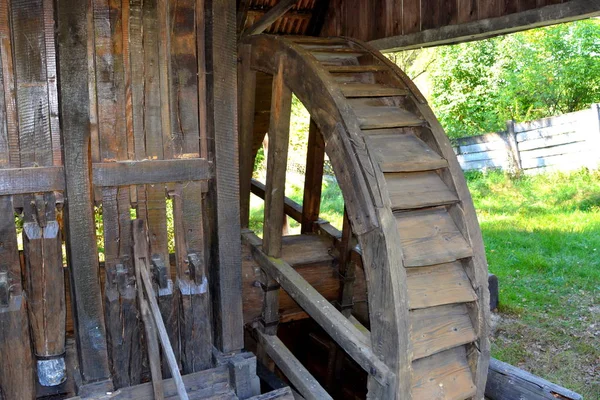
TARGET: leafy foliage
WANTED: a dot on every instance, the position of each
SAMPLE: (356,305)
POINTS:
(476,87)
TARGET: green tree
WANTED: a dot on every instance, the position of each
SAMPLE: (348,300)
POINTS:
(543,72)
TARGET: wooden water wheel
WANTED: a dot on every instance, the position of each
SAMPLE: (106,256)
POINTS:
(408,207)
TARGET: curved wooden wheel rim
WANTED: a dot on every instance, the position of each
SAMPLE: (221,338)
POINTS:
(410,231)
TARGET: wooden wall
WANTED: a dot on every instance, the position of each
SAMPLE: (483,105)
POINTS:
(370,20)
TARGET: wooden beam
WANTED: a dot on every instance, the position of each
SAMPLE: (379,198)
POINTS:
(204,384)
(126,173)
(290,207)
(313,182)
(506,382)
(279,394)
(486,28)
(331,320)
(31,180)
(226,275)
(90,331)
(270,16)
(293,369)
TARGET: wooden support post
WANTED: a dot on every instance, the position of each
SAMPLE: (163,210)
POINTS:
(513,148)
(279,132)
(313,181)
(247,89)
(192,282)
(17,372)
(81,234)
(347,268)
(226,279)
(242,373)
(45,286)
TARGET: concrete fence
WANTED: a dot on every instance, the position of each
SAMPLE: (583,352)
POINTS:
(568,142)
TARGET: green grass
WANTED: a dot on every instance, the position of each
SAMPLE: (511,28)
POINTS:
(542,237)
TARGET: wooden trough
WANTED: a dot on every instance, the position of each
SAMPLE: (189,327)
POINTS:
(128,134)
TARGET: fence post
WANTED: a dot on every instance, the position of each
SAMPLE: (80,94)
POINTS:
(595,136)
(513,147)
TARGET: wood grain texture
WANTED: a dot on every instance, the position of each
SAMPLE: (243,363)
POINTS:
(418,190)
(81,239)
(227,276)
(15,349)
(430,237)
(313,179)
(438,285)
(445,375)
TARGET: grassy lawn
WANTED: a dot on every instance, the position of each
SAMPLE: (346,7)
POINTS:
(542,237)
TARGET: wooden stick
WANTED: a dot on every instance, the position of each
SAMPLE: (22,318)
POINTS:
(140,236)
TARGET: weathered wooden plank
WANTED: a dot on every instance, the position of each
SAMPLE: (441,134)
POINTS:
(567,160)
(45,286)
(227,278)
(418,190)
(550,131)
(499,155)
(508,382)
(330,319)
(8,86)
(122,315)
(313,179)
(467,10)
(246,99)
(385,117)
(282,394)
(31,180)
(80,227)
(544,152)
(31,83)
(445,375)
(398,152)
(279,132)
(192,283)
(479,147)
(147,172)
(484,28)
(293,369)
(16,381)
(440,328)
(430,237)
(438,285)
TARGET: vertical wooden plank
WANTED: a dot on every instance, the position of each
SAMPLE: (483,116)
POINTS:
(45,286)
(32,88)
(509,7)
(164,66)
(8,80)
(192,280)
(81,243)
(430,14)
(279,132)
(448,12)
(411,16)
(122,316)
(467,10)
(313,180)
(137,77)
(490,8)
(247,97)
(184,80)
(227,277)
(16,381)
